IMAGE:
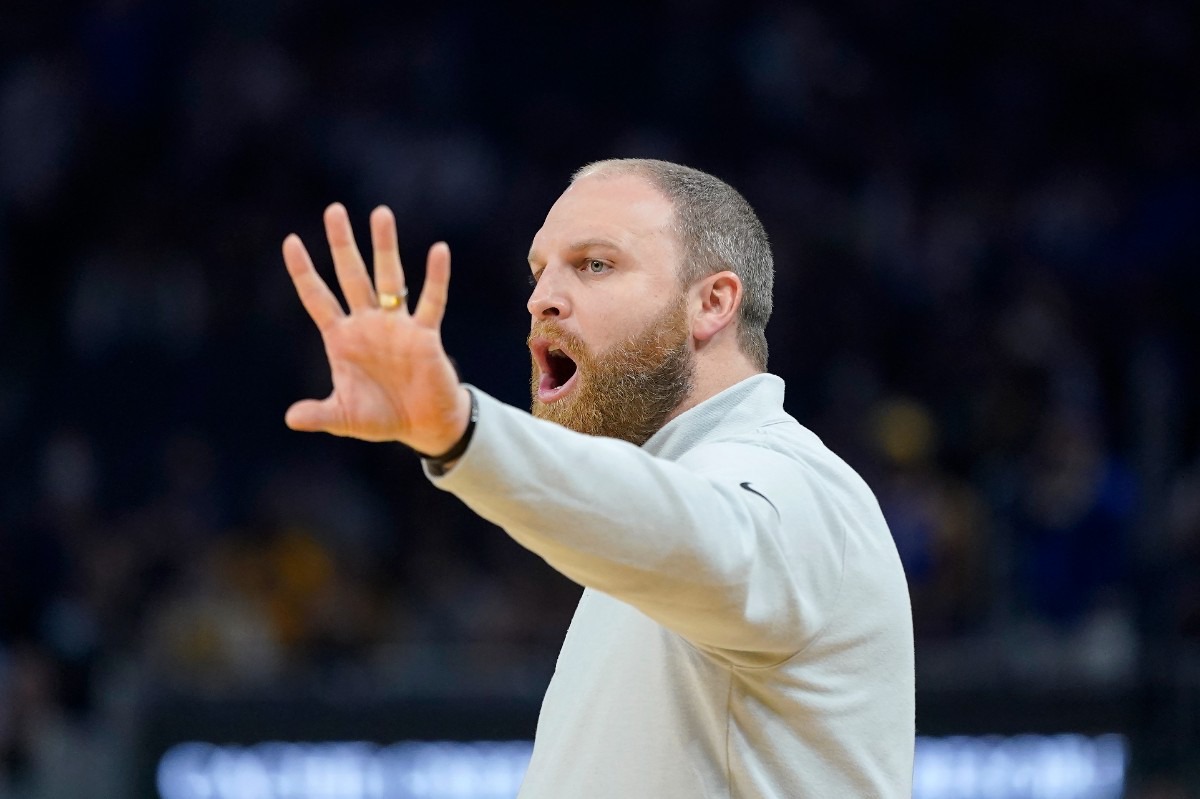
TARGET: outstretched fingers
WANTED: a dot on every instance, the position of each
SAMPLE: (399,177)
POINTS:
(389,273)
(347,261)
(431,307)
(315,296)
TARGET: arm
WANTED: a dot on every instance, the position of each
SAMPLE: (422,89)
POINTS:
(750,578)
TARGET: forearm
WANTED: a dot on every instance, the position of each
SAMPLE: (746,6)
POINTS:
(699,554)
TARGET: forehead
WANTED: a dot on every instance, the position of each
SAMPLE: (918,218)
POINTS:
(622,209)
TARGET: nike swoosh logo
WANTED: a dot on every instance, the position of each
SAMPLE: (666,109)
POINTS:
(748,487)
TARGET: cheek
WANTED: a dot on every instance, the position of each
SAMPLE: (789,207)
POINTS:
(611,320)
(602,328)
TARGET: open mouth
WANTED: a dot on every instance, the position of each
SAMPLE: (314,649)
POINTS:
(558,370)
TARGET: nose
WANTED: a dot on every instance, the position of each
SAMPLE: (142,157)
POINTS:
(548,300)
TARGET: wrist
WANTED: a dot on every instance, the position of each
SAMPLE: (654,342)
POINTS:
(439,463)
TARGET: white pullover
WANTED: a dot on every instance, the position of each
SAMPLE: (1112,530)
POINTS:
(745,630)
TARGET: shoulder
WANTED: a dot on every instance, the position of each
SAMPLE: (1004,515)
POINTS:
(792,467)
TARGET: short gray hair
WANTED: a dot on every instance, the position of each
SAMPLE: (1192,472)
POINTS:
(718,231)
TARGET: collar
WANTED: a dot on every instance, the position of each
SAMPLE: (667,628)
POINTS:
(741,408)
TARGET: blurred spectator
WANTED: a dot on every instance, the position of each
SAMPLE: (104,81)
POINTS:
(938,521)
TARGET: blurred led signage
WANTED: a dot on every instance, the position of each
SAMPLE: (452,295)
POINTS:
(960,767)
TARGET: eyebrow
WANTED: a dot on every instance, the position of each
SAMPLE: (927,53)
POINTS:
(586,244)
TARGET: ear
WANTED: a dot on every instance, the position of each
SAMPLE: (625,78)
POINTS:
(720,295)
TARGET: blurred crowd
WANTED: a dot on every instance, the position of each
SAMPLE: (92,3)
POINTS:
(984,218)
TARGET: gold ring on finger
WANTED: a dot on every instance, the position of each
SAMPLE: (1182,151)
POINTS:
(389,301)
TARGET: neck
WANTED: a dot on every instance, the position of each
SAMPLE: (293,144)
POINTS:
(713,376)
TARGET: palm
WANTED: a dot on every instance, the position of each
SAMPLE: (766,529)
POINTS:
(369,357)
(391,377)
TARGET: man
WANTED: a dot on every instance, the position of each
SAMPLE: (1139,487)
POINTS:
(745,628)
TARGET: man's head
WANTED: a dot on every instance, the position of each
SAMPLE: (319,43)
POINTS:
(716,230)
(654,282)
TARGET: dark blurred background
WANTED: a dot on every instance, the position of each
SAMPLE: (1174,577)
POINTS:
(984,217)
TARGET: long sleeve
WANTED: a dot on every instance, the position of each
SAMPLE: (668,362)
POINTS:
(736,544)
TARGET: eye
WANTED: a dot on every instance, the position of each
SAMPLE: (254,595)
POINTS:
(595,266)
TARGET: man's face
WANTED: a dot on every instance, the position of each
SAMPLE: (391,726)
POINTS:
(610,333)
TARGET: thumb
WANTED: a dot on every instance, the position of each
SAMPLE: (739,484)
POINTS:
(312,416)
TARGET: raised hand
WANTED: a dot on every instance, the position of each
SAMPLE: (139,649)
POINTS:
(392,380)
